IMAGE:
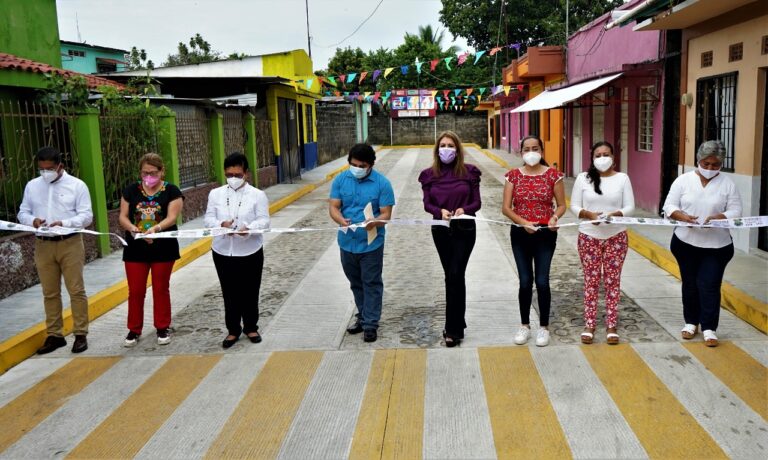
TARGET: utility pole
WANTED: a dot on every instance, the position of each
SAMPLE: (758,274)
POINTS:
(309,44)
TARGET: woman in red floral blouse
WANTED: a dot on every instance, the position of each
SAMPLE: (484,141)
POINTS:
(528,195)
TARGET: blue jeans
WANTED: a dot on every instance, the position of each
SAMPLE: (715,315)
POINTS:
(701,271)
(533,257)
(363,271)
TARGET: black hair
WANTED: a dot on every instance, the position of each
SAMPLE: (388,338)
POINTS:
(592,172)
(48,154)
(541,146)
(236,159)
(362,152)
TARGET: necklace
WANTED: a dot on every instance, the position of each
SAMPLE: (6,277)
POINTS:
(237,210)
(150,197)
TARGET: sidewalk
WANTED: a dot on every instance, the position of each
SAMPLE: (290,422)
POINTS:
(745,286)
(22,329)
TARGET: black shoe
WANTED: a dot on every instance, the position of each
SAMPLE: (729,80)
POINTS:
(356,329)
(369,335)
(451,342)
(227,343)
(80,345)
(254,338)
(51,343)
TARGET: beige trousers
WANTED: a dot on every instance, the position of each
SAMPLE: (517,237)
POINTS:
(53,260)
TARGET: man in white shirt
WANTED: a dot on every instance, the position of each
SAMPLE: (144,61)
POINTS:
(56,199)
(239,258)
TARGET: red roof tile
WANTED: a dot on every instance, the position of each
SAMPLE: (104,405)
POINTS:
(9,61)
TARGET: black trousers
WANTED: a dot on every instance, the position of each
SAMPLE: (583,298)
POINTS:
(701,271)
(240,279)
(454,246)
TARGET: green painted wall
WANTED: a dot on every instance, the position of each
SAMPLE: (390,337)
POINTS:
(30,29)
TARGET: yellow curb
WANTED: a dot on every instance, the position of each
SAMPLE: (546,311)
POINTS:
(23,345)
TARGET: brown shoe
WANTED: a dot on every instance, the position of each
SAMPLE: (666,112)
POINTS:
(51,343)
(80,345)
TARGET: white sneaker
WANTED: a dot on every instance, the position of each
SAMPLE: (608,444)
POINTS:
(163,337)
(542,337)
(131,340)
(523,335)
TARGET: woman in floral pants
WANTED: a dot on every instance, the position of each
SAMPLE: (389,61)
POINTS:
(602,192)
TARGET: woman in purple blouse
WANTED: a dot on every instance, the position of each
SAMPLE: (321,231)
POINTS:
(451,189)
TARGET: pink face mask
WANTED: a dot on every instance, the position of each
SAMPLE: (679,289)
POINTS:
(151,181)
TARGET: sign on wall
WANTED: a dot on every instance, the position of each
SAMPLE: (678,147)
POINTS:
(411,103)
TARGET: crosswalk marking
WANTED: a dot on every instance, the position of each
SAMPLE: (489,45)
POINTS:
(36,404)
(745,435)
(368,439)
(736,369)
(257,427)
(325,422)
(663,426)
(127,429)
(403,436)
(522,419)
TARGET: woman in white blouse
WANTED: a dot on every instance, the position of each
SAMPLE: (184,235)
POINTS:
(239,258)
(698,197)
(602,192)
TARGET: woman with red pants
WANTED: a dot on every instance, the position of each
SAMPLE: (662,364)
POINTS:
(602,192)
(148,206)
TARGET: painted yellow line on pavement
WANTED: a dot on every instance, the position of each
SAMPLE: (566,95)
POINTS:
(523,420)
(661,423)
(404,434)
(368,439)
(130,426)
(257,427)
(739,371)
(34,405)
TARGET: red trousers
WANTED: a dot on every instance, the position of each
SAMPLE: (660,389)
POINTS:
(137,272)
(602,260)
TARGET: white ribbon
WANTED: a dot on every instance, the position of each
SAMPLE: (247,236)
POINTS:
(53,231)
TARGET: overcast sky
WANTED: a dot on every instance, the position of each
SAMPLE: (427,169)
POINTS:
(247,26)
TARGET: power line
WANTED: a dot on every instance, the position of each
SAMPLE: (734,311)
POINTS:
(357,29)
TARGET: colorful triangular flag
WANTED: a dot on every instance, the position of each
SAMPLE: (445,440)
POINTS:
(448,62)
(433,64)
(478,55)
(387,71)
(404,69)
(376,74)
(362,76)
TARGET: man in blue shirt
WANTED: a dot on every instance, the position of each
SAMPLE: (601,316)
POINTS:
(351,191)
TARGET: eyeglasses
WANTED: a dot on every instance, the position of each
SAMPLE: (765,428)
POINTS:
(238,175)
(150,174)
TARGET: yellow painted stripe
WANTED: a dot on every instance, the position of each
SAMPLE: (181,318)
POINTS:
(523,420)
(368,439)
(739,371)
(404,434)
(130,426)
(661,423)
(36,404)
(262,419)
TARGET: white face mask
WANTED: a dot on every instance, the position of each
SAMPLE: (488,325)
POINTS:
(359,173)
(235,182)
(603,164)
(708,173)
(532,158)
(49,176)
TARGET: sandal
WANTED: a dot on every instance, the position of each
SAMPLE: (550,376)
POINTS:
(451,342)
(688,331)
(612,337)
(588,335)
(710,339)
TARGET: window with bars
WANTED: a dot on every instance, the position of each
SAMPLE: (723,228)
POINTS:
(645,119)
(706,59)
(310,123)
(736,52)
(76,53)
(716,112)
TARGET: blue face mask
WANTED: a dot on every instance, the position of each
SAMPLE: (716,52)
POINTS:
(359,173)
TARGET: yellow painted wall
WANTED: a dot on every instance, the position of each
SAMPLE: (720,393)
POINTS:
(552,135)
(286,92)
(749,90)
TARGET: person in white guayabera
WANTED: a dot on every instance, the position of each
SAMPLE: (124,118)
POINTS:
(599,192)
(698,197)
(56,199)
(239,258)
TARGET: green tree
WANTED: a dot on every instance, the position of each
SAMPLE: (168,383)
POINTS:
(137,60)
(528,22)
(198,51)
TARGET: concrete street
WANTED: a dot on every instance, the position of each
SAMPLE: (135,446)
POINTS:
(310,390)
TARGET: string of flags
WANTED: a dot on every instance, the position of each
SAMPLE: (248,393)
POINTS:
(359,77)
